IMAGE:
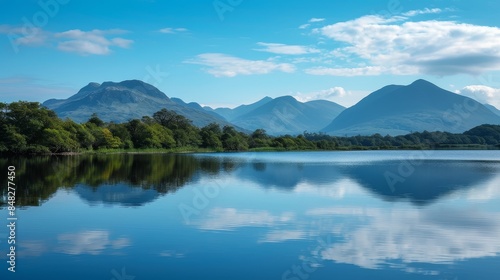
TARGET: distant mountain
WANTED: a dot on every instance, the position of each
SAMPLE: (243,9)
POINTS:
(493,109)
(286,115)
(420,106)
(231,114)
(193,105)
(123,101)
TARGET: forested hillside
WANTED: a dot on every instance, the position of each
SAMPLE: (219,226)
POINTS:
(30,128)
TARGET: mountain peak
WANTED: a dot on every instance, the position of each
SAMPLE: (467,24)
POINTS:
(286,98)
(135,85)
(93,85)
(421,83)
(420,106)
(126,100)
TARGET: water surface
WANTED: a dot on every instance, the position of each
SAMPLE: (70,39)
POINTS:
(297,215)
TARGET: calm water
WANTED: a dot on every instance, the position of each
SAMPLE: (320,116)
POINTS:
(304,215)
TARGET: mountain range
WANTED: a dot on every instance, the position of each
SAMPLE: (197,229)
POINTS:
(393,110)
(231,114)
(123,101)
(286,115)
(420,106)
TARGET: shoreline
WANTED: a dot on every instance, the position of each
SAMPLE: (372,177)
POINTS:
(192,151)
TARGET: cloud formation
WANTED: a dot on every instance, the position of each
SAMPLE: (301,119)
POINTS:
(171,30)
(96,42)
(326,94)
(397,45)
(482,94)
(309,22)
(286,49)
(24,36)
(422,12)
(222,65)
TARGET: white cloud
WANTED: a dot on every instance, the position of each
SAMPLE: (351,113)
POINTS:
(231,218)
(422,12)
(326,94)
(399,46)
(482,94)
(346,72)
(25,36)
(222,65)
(91,42)
(309,22)
(286,49)
(316,19)
(96,42)
(171,30)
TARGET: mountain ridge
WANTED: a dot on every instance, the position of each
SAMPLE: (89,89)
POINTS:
(286,115)
(123,101)
(419,106)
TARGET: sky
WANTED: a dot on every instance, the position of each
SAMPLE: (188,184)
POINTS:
(223,53)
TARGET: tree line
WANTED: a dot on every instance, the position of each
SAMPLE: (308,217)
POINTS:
(30,128)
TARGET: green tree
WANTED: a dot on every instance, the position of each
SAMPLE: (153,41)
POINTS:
(233,140)
(30,119)
(121,131)
(210,136)
(12,140)
(96,120)
(59,140)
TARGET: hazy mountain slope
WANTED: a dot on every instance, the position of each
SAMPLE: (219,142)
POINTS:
(493,109)
(417,107)
(231,114)
(285,115)
(195,106)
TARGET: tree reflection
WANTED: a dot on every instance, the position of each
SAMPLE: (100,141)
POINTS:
(38,178)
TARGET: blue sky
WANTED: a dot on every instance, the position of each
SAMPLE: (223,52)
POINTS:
(231,52)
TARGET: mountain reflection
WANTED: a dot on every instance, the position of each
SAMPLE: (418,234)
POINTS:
(136,179)
(125,195)
(428,182)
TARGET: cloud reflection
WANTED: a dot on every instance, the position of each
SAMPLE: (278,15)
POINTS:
(231,218)
(92,242)
(437,236)
(32,248)
(282,236)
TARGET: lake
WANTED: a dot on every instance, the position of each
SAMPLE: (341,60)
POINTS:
(269,215)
